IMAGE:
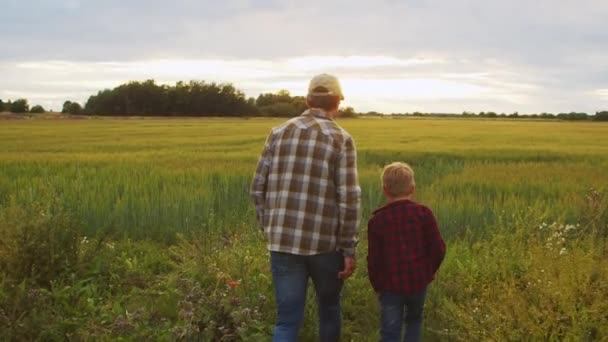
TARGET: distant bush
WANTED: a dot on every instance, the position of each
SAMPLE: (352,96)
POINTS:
(70,107)
(37,109)
(280,109)
(601,116)
(280,104)
(19,106)
(348,112)
(573,116)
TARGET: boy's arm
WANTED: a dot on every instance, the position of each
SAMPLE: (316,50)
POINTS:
(435,246)
(260,180)
(348,196)
(373,255)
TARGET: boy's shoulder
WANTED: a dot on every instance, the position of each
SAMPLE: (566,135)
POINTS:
(396,208)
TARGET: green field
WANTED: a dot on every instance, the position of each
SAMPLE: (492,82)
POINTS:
(132,228)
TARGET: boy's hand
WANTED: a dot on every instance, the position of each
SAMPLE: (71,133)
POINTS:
(349,267)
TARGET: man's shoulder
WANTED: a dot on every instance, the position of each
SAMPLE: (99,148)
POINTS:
(286,124)
(327,127)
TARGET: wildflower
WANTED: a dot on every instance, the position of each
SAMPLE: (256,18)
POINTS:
(233,283)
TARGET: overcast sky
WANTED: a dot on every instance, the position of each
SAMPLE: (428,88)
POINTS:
(391,56)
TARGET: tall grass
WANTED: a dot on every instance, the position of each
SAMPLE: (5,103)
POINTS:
(162,211)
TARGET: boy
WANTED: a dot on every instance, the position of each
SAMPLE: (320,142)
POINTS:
(405,251)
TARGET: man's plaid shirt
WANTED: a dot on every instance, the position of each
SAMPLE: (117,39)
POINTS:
(405,247)
(305,188)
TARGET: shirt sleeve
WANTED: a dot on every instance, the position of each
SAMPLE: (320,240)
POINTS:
(435,245)
(260,180)
(373,256)
(348,195)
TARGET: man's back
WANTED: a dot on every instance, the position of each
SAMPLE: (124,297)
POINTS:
(305,184)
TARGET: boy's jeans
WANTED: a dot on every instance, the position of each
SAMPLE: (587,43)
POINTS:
(290,274)
(392,307)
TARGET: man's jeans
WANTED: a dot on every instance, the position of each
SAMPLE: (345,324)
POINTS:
(290,275)
(393,307)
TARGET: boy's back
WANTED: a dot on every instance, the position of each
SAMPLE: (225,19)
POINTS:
(405,247)
(405,250)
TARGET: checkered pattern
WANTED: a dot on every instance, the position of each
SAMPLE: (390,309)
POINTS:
(405,247)
(305,188)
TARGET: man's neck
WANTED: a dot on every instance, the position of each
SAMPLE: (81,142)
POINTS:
(330,114)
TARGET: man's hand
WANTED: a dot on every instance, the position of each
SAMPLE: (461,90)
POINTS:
(349,267)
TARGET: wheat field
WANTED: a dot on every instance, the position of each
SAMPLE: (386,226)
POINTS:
(133,228)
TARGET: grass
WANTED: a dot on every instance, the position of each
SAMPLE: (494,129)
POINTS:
(162,221)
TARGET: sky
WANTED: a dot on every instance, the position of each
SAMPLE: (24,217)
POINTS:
(391,56)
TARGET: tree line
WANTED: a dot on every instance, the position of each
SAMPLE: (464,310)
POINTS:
(194,98)
(572,116)
(199,98)
(21,106)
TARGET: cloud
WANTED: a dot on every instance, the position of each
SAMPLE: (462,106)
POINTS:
(378,83)
(602,94)
(503,56)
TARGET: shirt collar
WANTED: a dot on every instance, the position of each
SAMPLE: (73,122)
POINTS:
(392,204)
(318,112)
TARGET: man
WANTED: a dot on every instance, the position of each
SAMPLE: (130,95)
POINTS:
(307,199)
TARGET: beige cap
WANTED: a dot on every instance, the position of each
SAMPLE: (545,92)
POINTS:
(328,82)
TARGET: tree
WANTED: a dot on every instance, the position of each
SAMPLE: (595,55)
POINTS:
(19,106)
(347,112)
(37,109)
(267,99)
(601,116)
(573,116)
(1,106)
(194,98)
(70,107)
(547,116)
(66,107)
(280,103)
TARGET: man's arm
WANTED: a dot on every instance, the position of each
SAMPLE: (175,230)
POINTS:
(373,256)
(260,180)
(348,195)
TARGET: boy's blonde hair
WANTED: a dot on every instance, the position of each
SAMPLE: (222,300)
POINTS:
(398,179)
